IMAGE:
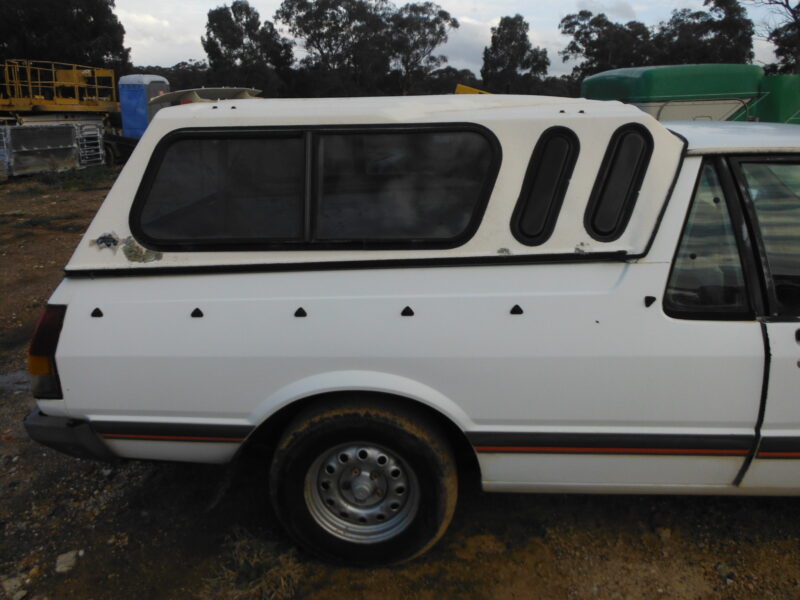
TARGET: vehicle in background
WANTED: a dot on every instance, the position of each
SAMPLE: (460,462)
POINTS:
(715,92)
(53,115)
(58,116)
(142,96)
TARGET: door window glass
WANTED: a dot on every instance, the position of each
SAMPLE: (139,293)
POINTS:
(707,280)
(774,188)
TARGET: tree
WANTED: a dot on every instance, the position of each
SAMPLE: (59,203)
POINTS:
(787,47)
(239,46)
(785,34)
(682,39)
(723,34)
(732,32)
(605,45)
(444,81)
(418,29)
(86,32)
(348,42)
(332,30)
(511,56)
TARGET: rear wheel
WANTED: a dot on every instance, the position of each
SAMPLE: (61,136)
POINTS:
(364,483)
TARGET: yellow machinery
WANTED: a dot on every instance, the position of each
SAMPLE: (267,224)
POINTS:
(465,89)
(53,115)
(43,86)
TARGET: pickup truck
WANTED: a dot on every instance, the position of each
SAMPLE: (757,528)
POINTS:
(382,294)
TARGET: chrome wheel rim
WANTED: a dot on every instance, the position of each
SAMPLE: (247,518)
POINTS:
(361,492)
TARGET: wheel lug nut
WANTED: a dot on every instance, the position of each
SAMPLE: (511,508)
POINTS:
(356,472)
(373,476)
(378,493)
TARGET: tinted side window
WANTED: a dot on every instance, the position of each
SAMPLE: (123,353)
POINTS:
(400,185)
(545,185)
(774,188)
(707,280)
(227,190)
(618,183)
(261,189)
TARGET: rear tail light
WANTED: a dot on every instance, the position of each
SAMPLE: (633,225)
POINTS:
(45,383)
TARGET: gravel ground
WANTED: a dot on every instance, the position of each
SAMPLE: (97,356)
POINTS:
(73,528)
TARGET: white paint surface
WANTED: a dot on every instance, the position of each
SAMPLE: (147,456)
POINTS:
(587,355)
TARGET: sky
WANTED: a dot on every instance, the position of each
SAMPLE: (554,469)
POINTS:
(162,32)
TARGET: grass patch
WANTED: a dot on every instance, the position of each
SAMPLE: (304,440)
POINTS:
(69,228)
(16,337)
(90,178)
(253,569)
(27,189)
(34,222)
(50,223)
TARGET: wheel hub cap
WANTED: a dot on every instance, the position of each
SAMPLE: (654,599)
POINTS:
(361,492)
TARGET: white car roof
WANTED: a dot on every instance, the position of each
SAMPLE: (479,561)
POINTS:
(377,110)
(715,137)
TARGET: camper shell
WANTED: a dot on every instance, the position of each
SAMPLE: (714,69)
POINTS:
(565,295)
(509,125)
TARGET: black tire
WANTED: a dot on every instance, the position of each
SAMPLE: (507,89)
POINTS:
(111,154)
(392,491)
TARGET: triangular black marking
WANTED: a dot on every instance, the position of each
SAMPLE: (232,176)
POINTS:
(97,312)
(300,312)
(648,300)
(516,310)
(197,313)
(407,312)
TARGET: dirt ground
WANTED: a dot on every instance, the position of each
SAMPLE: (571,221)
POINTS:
(159,530)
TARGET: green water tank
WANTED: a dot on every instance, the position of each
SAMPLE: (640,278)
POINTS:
(674,82)
(779,101)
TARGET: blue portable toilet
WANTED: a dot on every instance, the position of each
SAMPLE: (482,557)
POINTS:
(135,92)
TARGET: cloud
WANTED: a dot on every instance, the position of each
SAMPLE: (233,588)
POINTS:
(764,51)
(161,33)
(141,21)
(618,10)
(464,48)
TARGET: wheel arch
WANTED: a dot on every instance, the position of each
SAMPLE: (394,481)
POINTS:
(265,437)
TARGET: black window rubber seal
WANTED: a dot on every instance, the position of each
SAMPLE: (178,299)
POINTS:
(532,175)
(610,167)
(233,245)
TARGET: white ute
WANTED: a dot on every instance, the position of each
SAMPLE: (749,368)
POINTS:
(564,294)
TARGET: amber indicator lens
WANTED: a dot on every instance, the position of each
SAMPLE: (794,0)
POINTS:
(45,383)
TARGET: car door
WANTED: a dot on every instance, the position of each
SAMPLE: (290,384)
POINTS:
(629,394)
(770,186)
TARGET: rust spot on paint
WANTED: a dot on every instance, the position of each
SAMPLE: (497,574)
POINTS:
(136,253)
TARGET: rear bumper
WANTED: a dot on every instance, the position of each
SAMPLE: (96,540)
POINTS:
(69,436)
